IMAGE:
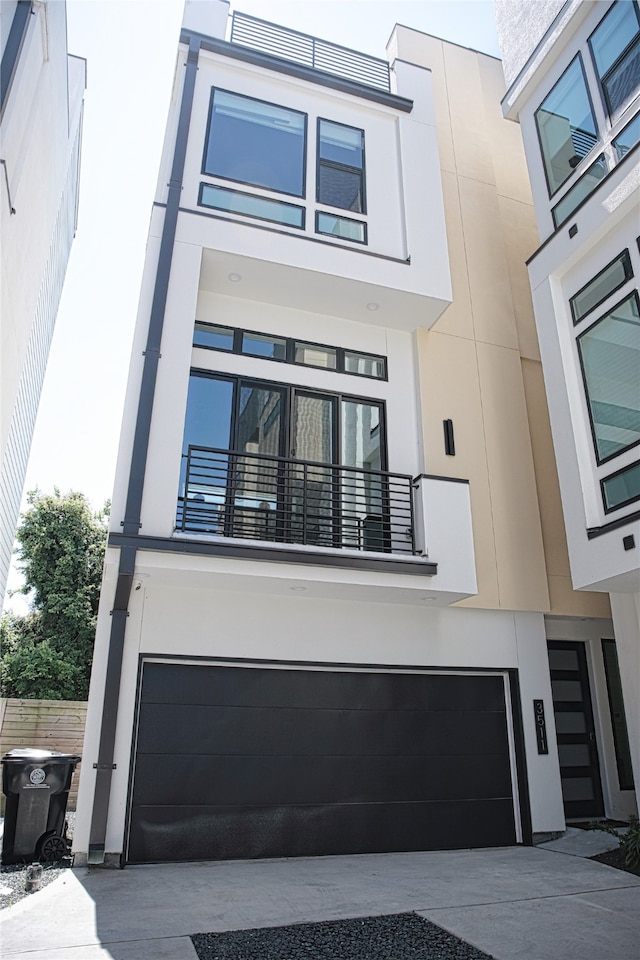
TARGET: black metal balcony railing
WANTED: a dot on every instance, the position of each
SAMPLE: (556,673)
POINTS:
(309,51)
(257,497)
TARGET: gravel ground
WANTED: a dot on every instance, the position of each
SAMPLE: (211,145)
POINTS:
(401,936)
(13,876)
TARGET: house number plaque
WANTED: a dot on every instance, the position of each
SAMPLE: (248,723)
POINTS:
(541,726)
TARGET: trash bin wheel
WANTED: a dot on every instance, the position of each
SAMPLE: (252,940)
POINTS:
(52,848)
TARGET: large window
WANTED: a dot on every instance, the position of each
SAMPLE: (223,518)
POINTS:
(610,357)
(341,166)
(566,126)
(615,46)
(269,461)
(257,143)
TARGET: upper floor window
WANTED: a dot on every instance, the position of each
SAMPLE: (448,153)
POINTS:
(615,46)
(566,126)
(610,358)
(341,166)
(254,142)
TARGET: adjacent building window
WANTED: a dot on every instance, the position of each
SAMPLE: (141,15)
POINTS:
(628,138)
(566,126)
(610,279)
(621,488)
(615,47)
(610,357)
(340,175)
(250,205)
(254,142)
(212,336)
(579,192)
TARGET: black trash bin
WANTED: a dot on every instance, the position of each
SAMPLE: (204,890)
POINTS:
(36,786)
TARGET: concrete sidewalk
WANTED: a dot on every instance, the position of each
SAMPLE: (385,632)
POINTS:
(516,903)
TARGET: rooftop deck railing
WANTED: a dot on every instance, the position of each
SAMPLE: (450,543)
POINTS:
(309,51)
(257,497)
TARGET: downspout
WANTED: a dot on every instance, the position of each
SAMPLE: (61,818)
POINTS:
(131,524)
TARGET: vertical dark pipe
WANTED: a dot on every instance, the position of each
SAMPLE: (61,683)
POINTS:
(131,525)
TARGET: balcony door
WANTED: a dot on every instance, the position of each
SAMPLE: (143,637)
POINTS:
(281,463)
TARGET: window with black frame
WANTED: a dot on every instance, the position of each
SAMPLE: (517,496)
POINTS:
(610,358)
(341,166)
(615,48)
(566,126)
(254,142)
(277,462)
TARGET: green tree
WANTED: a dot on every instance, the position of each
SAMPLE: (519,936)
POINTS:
(47,653)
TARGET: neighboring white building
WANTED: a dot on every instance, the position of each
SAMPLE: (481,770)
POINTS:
(336,530)
(41,97)
(573,73)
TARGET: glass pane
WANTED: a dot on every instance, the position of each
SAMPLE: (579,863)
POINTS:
(259,421)
(316,356)
(264,346)
(577,788)
(567,690)
(256,475)
(622,488)
(364,364)
(341,144)
(566,126)
(628,138)
(311,488)
(256,142)
(610,354)
(248,205)
(574,197)
(613,35)
(623,82)
(340,227)
(313,428)
(208,417)
(618,720)
(563,659)
(574,755)
(361,435)
(602,286)
(213,337)
(340,188)
(570,722)
(365,506)
(204,472)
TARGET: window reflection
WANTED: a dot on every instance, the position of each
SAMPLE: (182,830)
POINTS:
(566,126)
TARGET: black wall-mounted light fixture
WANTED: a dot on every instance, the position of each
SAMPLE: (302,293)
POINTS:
(449,440)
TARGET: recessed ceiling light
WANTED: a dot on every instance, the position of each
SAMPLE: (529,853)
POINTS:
(296,589)
(235,277)
(428,598)
(373,306)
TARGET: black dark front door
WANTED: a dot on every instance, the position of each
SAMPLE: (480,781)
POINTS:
(577,751)
(249,762)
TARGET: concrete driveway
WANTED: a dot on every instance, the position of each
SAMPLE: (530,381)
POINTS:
(516,903)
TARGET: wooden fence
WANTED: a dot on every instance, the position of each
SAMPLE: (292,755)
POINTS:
(46,724)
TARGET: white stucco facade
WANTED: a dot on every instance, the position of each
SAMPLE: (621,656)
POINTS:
(433,299)
(603,533)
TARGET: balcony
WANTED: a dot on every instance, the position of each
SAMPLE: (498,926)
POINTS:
(251,496)
(309,51)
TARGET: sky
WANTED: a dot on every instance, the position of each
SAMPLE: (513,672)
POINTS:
(131,48)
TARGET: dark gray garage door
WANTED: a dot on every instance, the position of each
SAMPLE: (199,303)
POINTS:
(237,762)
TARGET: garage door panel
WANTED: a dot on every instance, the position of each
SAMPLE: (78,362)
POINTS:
(220,833)
(265,781)
(255,687)
(236,762)
(180,728)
